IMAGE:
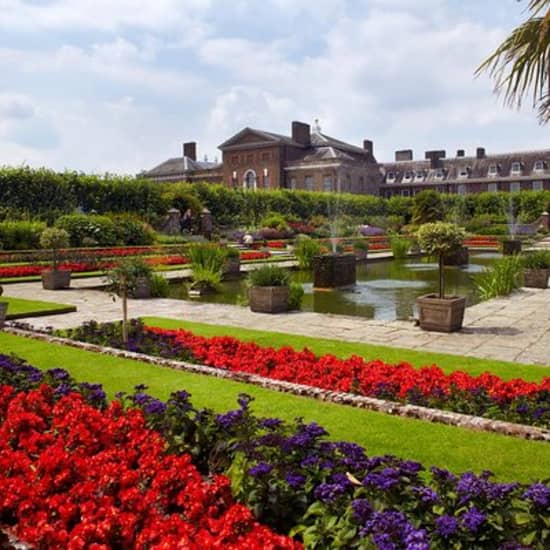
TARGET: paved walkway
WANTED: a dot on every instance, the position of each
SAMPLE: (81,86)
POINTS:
(516,328)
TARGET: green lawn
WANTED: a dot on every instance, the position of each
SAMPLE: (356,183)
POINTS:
(19,308)
(340,348)
(455,448)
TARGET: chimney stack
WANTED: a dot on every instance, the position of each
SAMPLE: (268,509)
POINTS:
(406,154)
(434,157)
(190,150)
(368,146)
(480,153)
(460,153)
(301,133)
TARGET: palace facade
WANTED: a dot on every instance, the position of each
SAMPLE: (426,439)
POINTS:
(310,160)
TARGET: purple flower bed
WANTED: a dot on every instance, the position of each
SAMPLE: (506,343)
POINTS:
(329,494)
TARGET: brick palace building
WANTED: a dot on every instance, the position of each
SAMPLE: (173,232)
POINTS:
(313,161)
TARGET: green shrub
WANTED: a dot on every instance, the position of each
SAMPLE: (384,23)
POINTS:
(21,235)
(274,221)
(207,263)
(269,275)
(305,249)
(100,230)
(127,272)
(399,247)
(160,287)
(53,239)
(536,259)
(427,207)
(500,279)
(295,295)
(131,231)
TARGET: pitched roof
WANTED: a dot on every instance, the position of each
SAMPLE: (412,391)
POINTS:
(319,139)
(180,165)
(268,136)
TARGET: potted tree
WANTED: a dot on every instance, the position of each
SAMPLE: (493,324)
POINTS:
(536,268)
(232,265)
(269,289)
(54,239)
(207,266)
(439,312)
(3,309)
(361,249)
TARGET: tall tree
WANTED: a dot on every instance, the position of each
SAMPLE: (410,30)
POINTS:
(520,66)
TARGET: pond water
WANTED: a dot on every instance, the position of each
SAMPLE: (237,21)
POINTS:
(386,289)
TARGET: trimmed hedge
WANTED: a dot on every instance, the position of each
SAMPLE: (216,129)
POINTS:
(45,195)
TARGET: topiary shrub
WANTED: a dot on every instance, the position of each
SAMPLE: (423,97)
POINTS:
(439,239)
(131,231)
(54,238)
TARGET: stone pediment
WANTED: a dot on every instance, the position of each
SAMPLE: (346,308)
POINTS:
(250,136)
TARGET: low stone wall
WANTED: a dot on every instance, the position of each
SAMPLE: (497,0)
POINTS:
(389,407)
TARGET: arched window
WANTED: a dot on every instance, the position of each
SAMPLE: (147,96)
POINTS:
(249,180)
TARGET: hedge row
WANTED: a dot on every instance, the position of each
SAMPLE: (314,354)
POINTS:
(45,194)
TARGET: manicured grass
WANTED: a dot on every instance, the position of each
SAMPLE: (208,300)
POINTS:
(321,346)
(432,444)
(19,308)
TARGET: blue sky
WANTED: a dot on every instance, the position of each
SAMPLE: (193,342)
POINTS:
(118,85)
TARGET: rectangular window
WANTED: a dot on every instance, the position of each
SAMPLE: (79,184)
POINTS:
(461,189)
(293,183)
(405,192)
(493,170)
(419,175)
(439,174)
(539,166)
(492,187)
(327,183)
(308,180)
(515,186)
(408,175)
(390,177)
(516,168)
(538,186)
(266,182)
(463,173)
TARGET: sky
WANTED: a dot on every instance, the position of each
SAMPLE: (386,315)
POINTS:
(118,85)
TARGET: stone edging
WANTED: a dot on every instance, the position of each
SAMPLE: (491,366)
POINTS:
(389,407)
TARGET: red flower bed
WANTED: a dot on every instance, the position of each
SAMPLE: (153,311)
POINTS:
(276,244)
(252,255)
(75,477)
(374,378)
(492,242)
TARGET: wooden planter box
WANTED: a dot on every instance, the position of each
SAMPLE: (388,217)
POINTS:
(334,271)
(460,257)
(56,279)
(441,314)
(268,299)
(536,278)
(511,247)
(3,311)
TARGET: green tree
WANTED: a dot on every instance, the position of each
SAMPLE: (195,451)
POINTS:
(427,207)
(520,66)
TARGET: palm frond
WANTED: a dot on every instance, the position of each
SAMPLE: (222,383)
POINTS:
(520,65)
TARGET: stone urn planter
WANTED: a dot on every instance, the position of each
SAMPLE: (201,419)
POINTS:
(511,247)
(441,314)
(536,278)
(268,299)
(142,288)
(459,257)
(334,271)
(56,279)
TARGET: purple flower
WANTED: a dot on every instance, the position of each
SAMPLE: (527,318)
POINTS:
(416,539)
(362,510)
(446,526)
(329,492)
(538,494)
(262,468)
(295,480)
(229,419)
(58,374)
(426,494)
(270,423)
(385,480)
(63,389)
(155,406)
(473,519)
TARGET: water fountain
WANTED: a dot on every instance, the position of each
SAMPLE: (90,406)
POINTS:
(334,270)
(511,246)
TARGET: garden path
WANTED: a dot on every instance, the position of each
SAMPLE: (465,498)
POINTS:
(516,328)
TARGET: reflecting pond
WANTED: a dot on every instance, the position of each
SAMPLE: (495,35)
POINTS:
(386,289)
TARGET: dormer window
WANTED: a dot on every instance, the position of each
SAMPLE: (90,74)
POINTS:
(439,174)
(539,166)
(516,168)
(390,177)
(408,176)
(419,175)
(464,172)
(493,170)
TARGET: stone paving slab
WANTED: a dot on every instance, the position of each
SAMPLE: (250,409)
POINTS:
(510,329)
